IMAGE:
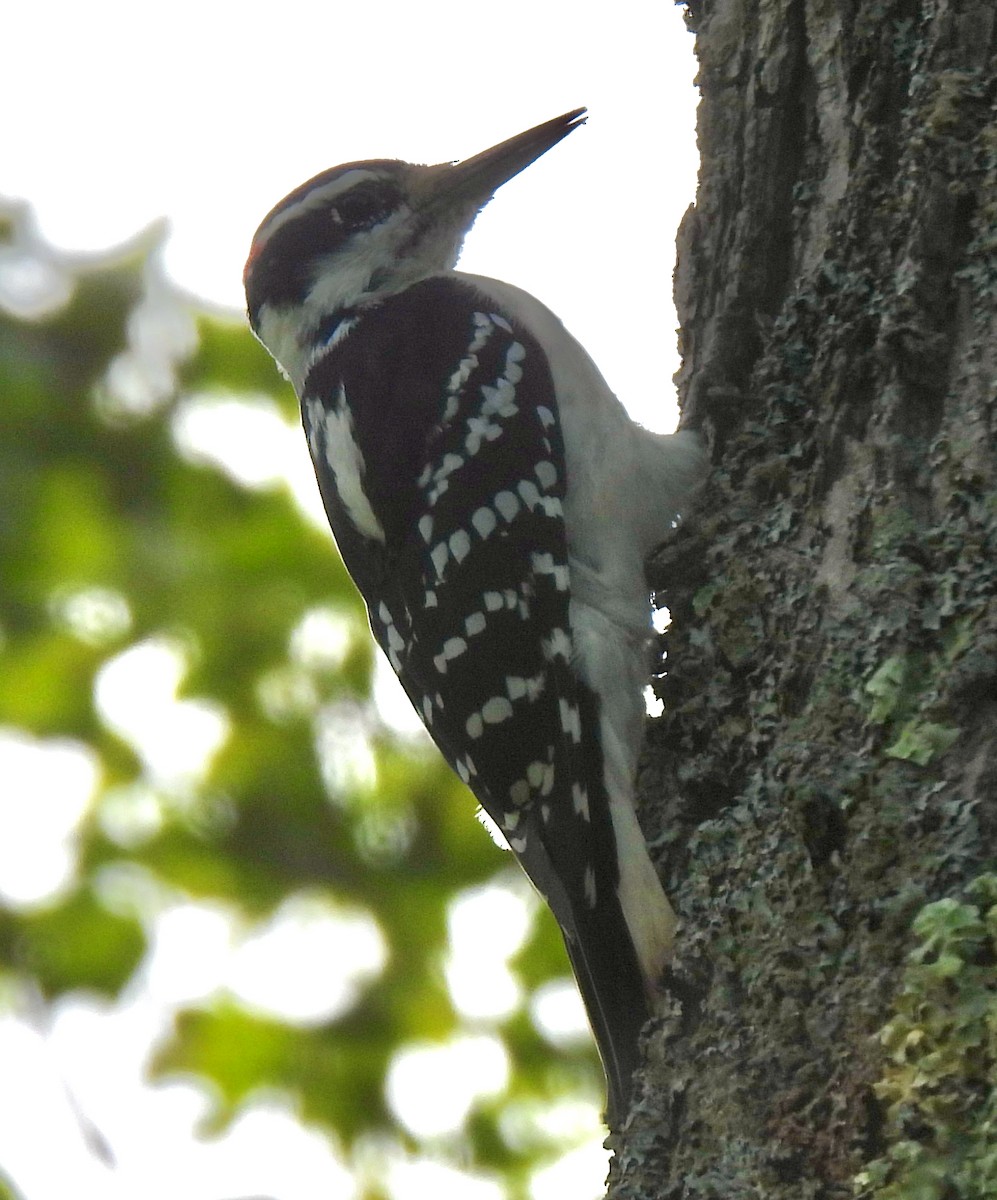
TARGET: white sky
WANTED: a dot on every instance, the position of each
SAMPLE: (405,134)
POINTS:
(118,113)
(206,112)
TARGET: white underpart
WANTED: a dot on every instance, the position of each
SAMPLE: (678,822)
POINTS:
(625,487)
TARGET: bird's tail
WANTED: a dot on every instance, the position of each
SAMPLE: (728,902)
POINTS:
(615,995)
(618,949)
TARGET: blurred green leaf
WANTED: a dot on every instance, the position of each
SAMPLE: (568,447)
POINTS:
(337,1071)
(7,1191)
(97,500)
(76,943)
(228,360)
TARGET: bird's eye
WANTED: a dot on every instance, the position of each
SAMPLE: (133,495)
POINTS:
(366,205)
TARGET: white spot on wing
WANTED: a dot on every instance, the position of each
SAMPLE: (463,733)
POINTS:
(439,556)
(436,491)
(460,545)
(528,492)
(514,356)
(506,505)
(454,647)
(465,768)
(546,473)
(571,721)
(496,710)
(484,521)
(519,793)
(544,564)
(499,398)
(450,463)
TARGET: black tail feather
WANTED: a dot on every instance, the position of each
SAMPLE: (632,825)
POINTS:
(615,997)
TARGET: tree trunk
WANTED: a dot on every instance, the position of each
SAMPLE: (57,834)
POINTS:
(824,772)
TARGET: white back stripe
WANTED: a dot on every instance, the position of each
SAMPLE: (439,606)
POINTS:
(346,463)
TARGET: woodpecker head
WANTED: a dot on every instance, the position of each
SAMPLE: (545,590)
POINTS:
(366,230)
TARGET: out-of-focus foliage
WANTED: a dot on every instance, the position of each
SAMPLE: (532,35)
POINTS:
(112,537)
(7,1190)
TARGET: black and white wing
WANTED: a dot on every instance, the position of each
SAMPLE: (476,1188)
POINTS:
(434,429)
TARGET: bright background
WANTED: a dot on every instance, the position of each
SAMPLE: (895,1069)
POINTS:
(207,113)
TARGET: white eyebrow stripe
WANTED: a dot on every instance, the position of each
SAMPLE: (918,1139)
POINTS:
(317,197)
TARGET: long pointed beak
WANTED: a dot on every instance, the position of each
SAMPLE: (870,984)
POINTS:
(477,179)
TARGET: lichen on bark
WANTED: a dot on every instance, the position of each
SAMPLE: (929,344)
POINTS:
(939,1082)
(825,765)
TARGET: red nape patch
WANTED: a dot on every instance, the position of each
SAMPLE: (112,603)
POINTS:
(254,253)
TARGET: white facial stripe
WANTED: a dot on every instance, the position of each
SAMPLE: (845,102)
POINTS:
(318,197)
(343,278)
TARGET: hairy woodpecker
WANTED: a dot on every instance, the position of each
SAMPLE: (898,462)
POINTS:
(494,505)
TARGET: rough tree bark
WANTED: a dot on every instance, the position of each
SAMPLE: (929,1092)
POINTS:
(824,773)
